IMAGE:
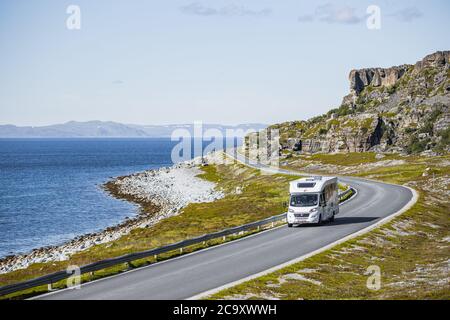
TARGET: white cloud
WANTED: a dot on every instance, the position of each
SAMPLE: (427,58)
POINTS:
(331,13)
(407,14)
(199,9)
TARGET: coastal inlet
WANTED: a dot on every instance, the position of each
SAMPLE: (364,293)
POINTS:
(160,193)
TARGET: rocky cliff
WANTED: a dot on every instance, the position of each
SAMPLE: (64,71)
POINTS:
(402,109)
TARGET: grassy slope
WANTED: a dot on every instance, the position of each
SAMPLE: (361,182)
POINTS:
(412,250)
(262,196)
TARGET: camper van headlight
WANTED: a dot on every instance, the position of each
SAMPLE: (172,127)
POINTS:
(291,210)
(313,210)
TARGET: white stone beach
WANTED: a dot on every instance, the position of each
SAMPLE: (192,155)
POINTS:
(170,189)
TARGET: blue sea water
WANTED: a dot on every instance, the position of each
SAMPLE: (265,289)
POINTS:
(50,189)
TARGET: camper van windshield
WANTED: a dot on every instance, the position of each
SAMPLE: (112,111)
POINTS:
(304,200)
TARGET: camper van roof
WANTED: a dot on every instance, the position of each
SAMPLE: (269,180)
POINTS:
(311,184)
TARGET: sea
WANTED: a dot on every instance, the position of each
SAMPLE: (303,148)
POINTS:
(51,189)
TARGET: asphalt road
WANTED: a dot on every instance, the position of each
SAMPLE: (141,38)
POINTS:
(192,274)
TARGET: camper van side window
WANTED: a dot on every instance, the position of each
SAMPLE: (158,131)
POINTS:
(329,192)
(322,199)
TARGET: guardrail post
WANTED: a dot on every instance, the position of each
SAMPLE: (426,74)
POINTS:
(181,250)
(223,238)
(273,224)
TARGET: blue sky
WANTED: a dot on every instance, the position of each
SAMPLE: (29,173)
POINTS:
(159,62)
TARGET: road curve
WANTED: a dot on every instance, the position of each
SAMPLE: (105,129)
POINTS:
(192,274)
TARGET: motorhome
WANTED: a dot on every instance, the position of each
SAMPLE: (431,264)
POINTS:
(313,200)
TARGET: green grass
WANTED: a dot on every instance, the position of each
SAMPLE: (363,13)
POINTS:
(262,196)
(367,123)
(312,131)
(347,196)
(210,174)
(349,159)
(389,114)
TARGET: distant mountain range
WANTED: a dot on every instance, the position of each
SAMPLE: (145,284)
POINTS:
(108,129)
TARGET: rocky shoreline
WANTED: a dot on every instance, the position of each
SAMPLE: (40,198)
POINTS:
(159,193)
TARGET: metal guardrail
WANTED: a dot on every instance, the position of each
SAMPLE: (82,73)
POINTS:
(103,264)
(61,275)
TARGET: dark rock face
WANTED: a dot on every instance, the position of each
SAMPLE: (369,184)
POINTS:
(387,109)
(375,138)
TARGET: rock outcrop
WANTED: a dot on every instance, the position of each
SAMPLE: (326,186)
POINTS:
(359,79)
(438,59)
(402,109)
(375,77)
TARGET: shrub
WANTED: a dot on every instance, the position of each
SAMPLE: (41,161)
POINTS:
(317,119)
(427,128)
(444,143)
(416,145)
(392,89)
(323,131)
(429,123)
(410,130)
(345,110)
(360,108)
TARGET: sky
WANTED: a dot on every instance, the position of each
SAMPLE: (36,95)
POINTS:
(179,61)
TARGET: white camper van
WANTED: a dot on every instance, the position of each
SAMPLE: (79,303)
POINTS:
(313,200)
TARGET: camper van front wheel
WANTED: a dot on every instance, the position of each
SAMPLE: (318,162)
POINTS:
(332,217)
(289,225)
